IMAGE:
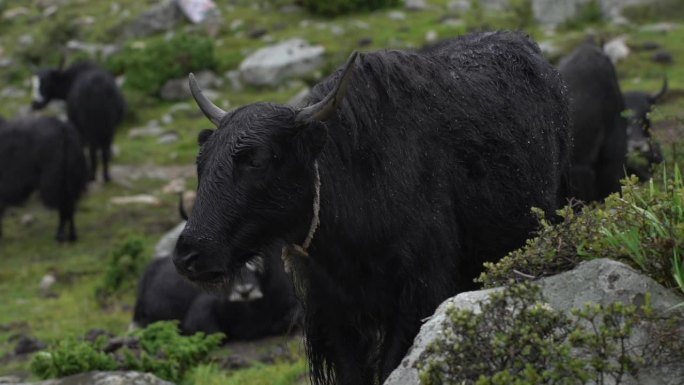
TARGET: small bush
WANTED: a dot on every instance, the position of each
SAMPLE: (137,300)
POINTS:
(147,68)
(644,227)
(518,339)
(338,7)
(518,15)
(158,349)
(589,13)
(123,270)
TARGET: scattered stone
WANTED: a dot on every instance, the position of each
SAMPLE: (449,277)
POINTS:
(270,66)
(26,39)
(152,129)
(396,15)
(179,107)
(600,281)
(167,243)
(47,282)
(10,380)
(27,344)
(100,51)
(178,89)
(145,199)
(300,98)
(6,62)
(51,10)
(415,5)
(27,219)
(175,186)
(166,119)
(161,17)
(452,21)
(198,11)
(336,30)
(616,49)
(360,24)
(86,20)
(663,27)
(257,33)
(106,378)
(168,137)
(431,36)
(364,41)
(234,79)
(650,46)
(458,6)
(15,12)
(662,57)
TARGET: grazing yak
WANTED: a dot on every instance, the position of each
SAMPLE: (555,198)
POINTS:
(261,301)
(599,130)
(642,151)
(402,175)
(42,154)
(95,105)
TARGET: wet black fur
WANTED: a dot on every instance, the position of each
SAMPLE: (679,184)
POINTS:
(95,106)
(429,168)
(598,128)
(44,155)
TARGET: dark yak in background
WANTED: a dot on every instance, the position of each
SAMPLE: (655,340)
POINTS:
(261,301)
(643,152)
(42,154)
(599,130)
(426,169)
(95,105)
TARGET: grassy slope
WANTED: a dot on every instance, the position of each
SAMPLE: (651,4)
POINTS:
(26,253)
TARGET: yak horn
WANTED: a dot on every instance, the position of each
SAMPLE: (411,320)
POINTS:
(324,109)
(654,98)
(181,207)
(213,113)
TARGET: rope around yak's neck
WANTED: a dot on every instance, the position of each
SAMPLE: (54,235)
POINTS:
(294,250)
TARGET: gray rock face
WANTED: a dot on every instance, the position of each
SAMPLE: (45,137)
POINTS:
(270,66)
(162,17)
(103,378)
(600,281)
(178,89)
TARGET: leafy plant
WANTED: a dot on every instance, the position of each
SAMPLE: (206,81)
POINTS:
(124,266)
(148,67)
(338,7)
(71,356)
(518,339)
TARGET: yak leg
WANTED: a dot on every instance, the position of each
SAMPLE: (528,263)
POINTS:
(352,366)
(66,230)
(61,236)
(582,180)
(106,156)
(93,162)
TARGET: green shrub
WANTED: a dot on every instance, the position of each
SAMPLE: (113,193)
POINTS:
(518,15)
(643,226)
(338,7)
(518,339)
(589,13)
(147,68)
(160,350)
(69,357)
(123,269)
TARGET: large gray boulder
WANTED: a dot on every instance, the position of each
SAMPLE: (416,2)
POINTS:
(601,281)
(270,66)
(161,17)
(101,378)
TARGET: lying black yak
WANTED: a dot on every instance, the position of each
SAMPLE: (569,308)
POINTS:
(44,155)
(402,175)
(95,105)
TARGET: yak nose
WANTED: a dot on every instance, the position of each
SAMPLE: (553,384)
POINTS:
(191,262)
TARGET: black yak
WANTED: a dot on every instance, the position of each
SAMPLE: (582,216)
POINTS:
(599,130)
(42,154)
(642,151)
(95,105)
(405,172)
(260,302)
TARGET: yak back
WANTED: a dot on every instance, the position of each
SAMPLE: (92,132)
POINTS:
(94,103)
(41,153)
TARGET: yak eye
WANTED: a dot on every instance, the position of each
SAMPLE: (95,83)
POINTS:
(255,159)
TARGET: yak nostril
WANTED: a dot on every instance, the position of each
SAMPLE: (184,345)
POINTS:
(186,261)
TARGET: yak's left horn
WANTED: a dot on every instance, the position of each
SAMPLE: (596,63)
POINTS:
(654,98)
(210,110)
(324,109)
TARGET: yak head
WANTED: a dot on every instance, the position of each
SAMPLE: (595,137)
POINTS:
(639,142)
(256,175)
(48,84)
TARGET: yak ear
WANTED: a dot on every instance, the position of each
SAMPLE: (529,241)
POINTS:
(204,135)
(324,109)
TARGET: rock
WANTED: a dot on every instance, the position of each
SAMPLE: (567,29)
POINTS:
(136,199)
(100,51)
(152,129)
(47,282)
(663,27)
(10,380)
(27,219)
(175,186)
(336,30)
(198,11)
(168,137)
(459,6)
(452,21)
(431,36)
(161,17)
(360,24)
(650,46)
(257,33)
(600,281)
(364,41)
(291,8)
(27,344)
(616,49)
(396,15)
(105,378)
(178,89)
(270,66)
(554,12)
(15,12)
(662,57)
(167,243)
(415,5)
(51,10)
(25,39)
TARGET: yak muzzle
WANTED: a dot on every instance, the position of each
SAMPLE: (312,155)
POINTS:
(192,263)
